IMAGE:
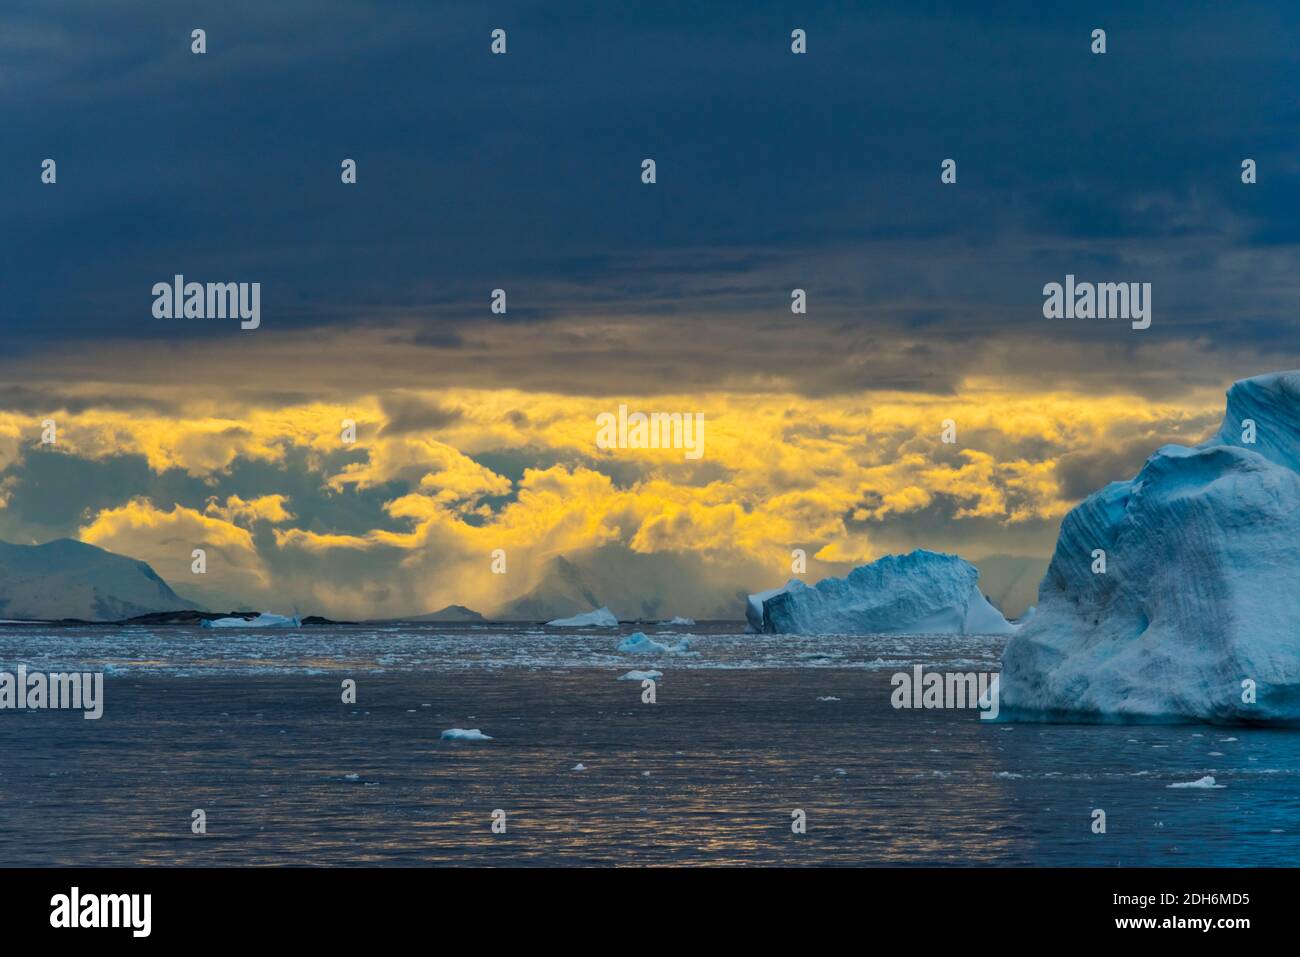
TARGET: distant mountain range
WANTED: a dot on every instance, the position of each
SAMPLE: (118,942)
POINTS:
(450,613)
(631,584)
(1011,581)
(70,579)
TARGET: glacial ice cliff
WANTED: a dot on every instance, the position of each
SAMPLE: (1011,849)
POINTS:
(919,593)
(1195,614)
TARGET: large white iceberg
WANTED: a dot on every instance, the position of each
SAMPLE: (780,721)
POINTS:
(1197,613)
(921,593)
(264,620)
(600,618)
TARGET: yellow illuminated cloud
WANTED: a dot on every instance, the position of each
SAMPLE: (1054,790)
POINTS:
(832,475)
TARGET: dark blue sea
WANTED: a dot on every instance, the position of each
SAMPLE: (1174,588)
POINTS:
(745,731)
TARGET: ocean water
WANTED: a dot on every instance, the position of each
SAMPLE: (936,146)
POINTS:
(250,728)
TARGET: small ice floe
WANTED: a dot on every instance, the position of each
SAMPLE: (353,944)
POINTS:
(642,676)
(264,620)
(465,734)
(679,620)
(1010,775)
(645,774)
(841,772)
(828,697)
(351,777)
(600,618)
(1226,740)
(1205,782)
(579,767)
(639,643)
(1216,754)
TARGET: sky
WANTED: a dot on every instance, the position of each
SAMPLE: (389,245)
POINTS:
(476,431)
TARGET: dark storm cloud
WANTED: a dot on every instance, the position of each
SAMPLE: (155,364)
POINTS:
(407,413)
(477,172)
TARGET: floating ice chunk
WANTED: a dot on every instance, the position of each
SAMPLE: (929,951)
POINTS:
(642,676)
(639,643)
(920,593)
(1205,782)
(679,620)
(828,698)
(465,734)
(600,618)
(579,767)
(351,777)
(264,620)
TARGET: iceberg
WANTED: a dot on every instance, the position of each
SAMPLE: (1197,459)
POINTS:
(1194,614)
(600,618)
(642,676)
(465,734)
(679,620)
(920,593)
(1205,783)
(264,620)
(639,643)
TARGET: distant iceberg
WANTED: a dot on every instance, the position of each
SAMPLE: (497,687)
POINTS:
(639,643)
(679,621)
(264,620)
(920,593)
(642,676)
(1205,783)
(1196,615)
(600,618)
(465,734)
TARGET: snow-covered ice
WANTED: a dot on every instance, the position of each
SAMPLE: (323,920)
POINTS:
(1205,782)
(642,676)
(920,593)
(465,734)
(639,643)
(600,618)
(1197,614)
(264,620)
